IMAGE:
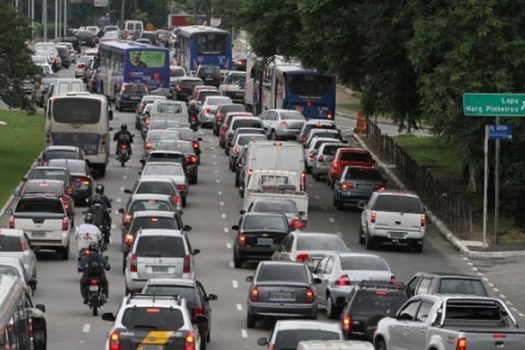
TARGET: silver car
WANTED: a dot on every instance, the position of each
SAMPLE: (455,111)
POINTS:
(168,170)
(313,147)
(282,124)
(13,266)
(209,106)
(287,334)
(323,158)
(159,254)
(340,272)
(15,244)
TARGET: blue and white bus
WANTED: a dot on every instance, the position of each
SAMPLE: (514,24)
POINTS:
(204,45)
(126,61)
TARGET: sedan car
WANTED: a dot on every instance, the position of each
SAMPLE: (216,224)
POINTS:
(281,289)
(168,170)
(282,124)
(194,293)
(53,173)
(81,176)
(15,244)
(129,96)
(356,185)
(208,108)
(146,202)
(339,272)
(282,206)
(323,158)
(186,148)
(184,88)
(60,152)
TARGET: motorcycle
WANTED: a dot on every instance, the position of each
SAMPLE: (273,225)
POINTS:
(95,297)
(123,154)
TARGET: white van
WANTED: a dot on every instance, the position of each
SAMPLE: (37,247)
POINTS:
(131,27)
(62,86)
(169,110)
(81,119)
(334,345)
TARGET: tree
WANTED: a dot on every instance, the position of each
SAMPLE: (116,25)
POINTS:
(15,57)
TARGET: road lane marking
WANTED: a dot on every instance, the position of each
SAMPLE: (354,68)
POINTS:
(214,156)
(116,212)
(502,296)
(221,204)
(331,220)
(214,163)
(216,171)
(119,200)
(210,140)
(125,177)
(213,147)
(231,264)
(229,245)
(310,185)
(86,328)
(475,268)
(218,181)
(113,226)
(244,333)
(496,290)
(317,197)
(485,279)
(235,284)
(219,193)
(226,230)
(480,274)
(223,216)
(121,188)
(239,307)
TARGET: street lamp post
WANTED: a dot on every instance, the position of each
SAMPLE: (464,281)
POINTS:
(56,19)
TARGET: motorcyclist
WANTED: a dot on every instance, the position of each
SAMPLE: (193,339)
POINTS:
(87,233)
(101,217)
(93,265)
(99,189)
(123,136)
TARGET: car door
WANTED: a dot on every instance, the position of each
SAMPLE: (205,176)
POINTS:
(204,299)
(326,278)
(319,272)
(412,286)
(400,329)
(265,121)
(418,328)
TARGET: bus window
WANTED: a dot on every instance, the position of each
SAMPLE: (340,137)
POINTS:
(76,111)
(309,84)
(210,44)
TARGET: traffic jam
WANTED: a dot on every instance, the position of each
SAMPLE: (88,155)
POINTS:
(225,186)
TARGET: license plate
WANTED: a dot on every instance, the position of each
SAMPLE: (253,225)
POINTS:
(240,94)
(160,268)
(135,98)
(264,241)
(93,288)
(281,296)
(38,233)
(363,186)
(150,347)
(397,234)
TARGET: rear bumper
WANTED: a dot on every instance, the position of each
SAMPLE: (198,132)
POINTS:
(128,104)
(287,133)
(283,310)
(320,168)
(52,240)
(340,294)
(393,234)
(351,197)
(255,253)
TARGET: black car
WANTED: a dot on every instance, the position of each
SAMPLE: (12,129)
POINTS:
(367,304)
(258,236)
(210,75)
(445,283)
(86,38)
(129,95)
(184,88)
(220,114)
(63,53)
(73,40)
(152,36)
(357,185)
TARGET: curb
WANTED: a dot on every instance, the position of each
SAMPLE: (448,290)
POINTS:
(441,226)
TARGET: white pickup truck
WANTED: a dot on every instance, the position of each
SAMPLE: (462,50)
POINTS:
(447,322)
(276,184)
(45,220)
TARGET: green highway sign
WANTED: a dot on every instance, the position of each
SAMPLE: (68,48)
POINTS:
(494,105)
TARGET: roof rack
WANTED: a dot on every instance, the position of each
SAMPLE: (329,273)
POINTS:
(152,296)
(370,284)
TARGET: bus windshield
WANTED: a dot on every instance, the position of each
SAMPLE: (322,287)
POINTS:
(76,111)
(309,84)
(210,43)
(146,58)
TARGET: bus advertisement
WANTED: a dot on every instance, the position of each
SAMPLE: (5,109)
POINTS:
(200,45)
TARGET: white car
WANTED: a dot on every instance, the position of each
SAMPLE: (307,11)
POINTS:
(12,266)
(15,244)
(287,334)
(396,217)
(311,150)
(233,86)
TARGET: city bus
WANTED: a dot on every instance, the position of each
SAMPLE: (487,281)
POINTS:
(125,62)
(204,45)
(22,326)
(81,119)
(287,85)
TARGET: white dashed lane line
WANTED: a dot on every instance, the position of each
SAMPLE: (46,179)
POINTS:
(226,230)
(221,204)
(86,328)
(235,284)
(332,220)
(219,193)
(244,333)
(218,181)
(223,216)
(229,245)
(125,177)
(119,200)
(239,307)
(231,264)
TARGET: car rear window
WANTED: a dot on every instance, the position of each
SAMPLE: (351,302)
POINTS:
(190,83)
(163,169)
(276,207)
(44,187)
(42,174)
(291,115)
(188,293)
(152,318)
(378,302)
(169,108)
(154,223)
(160,247)
(217,100)
(363,174)
(323,242)
(264,222)
(461,286)
(155,187)
(36,205)
(289,339)
(136,89)
(246,123)
(331,149)
(398,203)
(231,108)
(282,272)
(244,140)
(363,263)
(151,204)
(9,244)
(61,155)
(356,157)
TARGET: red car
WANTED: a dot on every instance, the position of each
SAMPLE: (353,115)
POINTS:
(348,156)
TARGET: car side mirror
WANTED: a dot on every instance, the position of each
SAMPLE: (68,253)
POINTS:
(302,213)
(139,173)
(121,210)
(16,193)
(212,297)
(317,280)
(41,307)
(262,341)
(235,227)
(187,228)
(196,251)
(242,212)
(108,316)
(110,115)
(249,279)
(127,190)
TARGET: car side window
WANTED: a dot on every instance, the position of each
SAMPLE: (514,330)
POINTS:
(289,244)
(411,286)
(201,290)
(321,265)
(408,313)
(329,265)
(424,311)
(424,285)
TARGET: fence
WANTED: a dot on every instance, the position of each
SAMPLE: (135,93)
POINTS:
(453,208)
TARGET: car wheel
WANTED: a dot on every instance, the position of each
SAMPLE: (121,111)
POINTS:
(193,179)
(183,202)
(208,335)
(338,204)
(203,344)
(273,135)
(64,253)
(380,345)
(127,291)
(369,244)
(316,176)
(361,235)
(123,264)
(418,248)
(237,180)
(331,309)
(250,320)
(237,260)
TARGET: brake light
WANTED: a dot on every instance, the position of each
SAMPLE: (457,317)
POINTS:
(178,88)
(379,188)
(254,294)
(373,216)
(423,220)
(93,282)
(312,154)
(65,224)
(296,224)
(198,311)
(347,323)
(23,245)
(114,341)
(283,125)
(85,181)
(123,146)
(30,326)
(187,265)
(148,145)
(242,240)
(127,219)
(133,263)
(80,65)
(191,159)
(321,158)
(176,200)
(189,341)
(347,185)
(393,280)
(12,222)
(181,187)
(329,115)
(207,110)
(304,257)
(195,144)
(309,295)
(152,310)
(461,344)
(344,280)
(129,239)
(381,292)
(499,335)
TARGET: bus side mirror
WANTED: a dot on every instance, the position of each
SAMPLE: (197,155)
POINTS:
(110,115)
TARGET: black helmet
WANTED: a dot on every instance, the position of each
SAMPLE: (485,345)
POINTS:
(124,127)
(99,188)
(93,246)
(96,199)
(89,219)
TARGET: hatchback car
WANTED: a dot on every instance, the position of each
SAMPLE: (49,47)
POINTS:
(323,158)
(129,96)
(208,108)
(159,253)
(60,152)
(314,124)
(356,185)
(281,289)
(52,173)
(168,170)
(312,149)
(184,88)
(220,114)
(210,75)
(15,244)
(282,124)
(81,176)
(186,148)
(348,156)
(282,206)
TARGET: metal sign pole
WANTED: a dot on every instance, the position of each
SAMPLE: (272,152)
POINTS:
(485,184)
(496,187)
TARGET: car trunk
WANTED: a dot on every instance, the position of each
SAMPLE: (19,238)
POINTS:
(398,224)
(357,276)
(169,267)
(282,292)
(269,239)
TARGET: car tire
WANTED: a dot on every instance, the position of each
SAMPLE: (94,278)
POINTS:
(203,344)
(418,248)
(127,291)
(332,312)
(208,335)
(339,204)
(369,241)
(250,320)
(237,180)
(184,202)
(316,176)
(237,261)
(380,345)
(273,135)
(361,235)
(64,253)
(123,264)
(193,179)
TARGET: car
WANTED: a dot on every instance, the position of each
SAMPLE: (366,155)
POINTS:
(367,303)
(186,148)
(86,38)
(326,133)
(80,174)
(281,289)
(393,216)
(60,152)
(167,156)
(146,202)
(52,173)
(239,122)
(233,86)
(15,244)
(240,61)
(184,88)
(445,283)
(210,75)
(187,134)
(173,171)
(151,35)
(312,148)
(156,185)
(129,95)
(146,99)
(323,157)
(314,124)
(348,156)
(176,73)
(153,137)
(208,108)
(309,247)
(159,253)
(258,236)
(81,65)
(334,345)
(226,124)
(239,142)
(63,53)
(145,321)
(282,206)
(356,185)
(14,267)
(221,111)
(51,187)
(194,293)
(282,124)
(340,272)
(287,334)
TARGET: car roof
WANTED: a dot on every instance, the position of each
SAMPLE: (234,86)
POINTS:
(313,234)
(398,193)
(282,325)
(451,274)
(11,232)
(256,213)
(357,255)
(172,281)
(62,148)
(150,196)
(159,232)
(154,178)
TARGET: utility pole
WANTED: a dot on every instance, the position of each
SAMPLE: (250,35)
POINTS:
(122,7)
(56,19)
(44,18)
(496,187)
(65,17)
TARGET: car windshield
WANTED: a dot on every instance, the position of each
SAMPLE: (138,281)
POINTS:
(363,174)
(151,204)
(461,286)
(398,203)
(61,155)
(247,123)
(157,187)
(378,302)
(152,318)
(163,169)
(356,157)
(282,272)
(186,134)
(156,222)
(74,167)
(291,115)
(363,263)
(264,222)
(36,205)
(276,207)
(244,140)
(10,244)
(321,242)
(160,247)
(189,83)
(187,293)
(289,339)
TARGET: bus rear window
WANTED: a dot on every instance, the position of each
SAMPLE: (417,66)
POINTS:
(76,111)
(210,43)
(309,84)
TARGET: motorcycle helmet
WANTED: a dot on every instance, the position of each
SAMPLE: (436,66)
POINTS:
(89,219)
(124,127)
(99,188)
(93,246)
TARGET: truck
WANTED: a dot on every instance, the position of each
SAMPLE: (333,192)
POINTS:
(450,322)
(276,184)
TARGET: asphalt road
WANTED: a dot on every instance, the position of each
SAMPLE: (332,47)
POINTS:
(213,206)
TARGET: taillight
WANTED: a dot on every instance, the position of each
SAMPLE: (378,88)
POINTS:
(191,159)
(30,326)
(80,65)
(23,245)
(198,311)
(393,280)
(423,220)
(148,145)
(129,240)
(114,341)
(347,323)
(85,181)
(178,88)
(254,294)
(321,158)
(242,240)
(329,115)
(344,280)
(309,295)
(207,110)
(65,224)
(379,188)
(187,265)
(296,224)
(373,216)
(189,341)
(304,257)
(127,219)
(347,185)
(335,164)
(461,344)
(12,222)
(133,263)
(93,282)
(195,144)
(181,187)
(176,200)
